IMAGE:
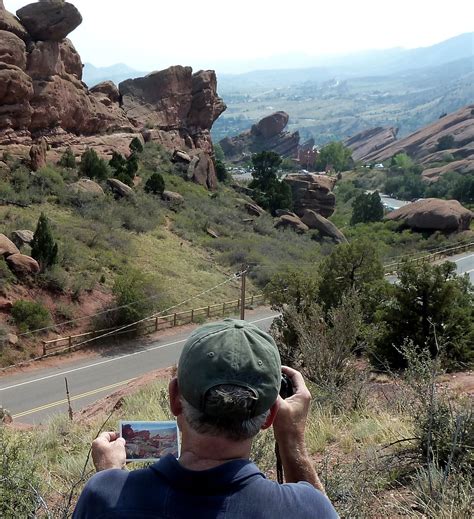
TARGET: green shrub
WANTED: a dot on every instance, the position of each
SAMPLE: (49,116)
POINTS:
(55,279)
(155,184)
(43,247)
(29,315)
(6,276)
(68,160)
(21,484)
(136,296)
(445,142)
(367,208)
(136,146)
(92,166)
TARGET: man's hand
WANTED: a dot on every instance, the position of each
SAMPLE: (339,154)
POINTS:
(289,427)
(108,451)
(292,413)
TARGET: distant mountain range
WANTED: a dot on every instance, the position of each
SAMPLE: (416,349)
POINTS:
(116,73)
(334,97)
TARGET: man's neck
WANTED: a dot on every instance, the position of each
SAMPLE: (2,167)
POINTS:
(201,452)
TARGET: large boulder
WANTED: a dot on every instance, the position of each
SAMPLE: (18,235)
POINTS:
(325,227)
(434,214)
(108,89)
(201,169)
(38,154)
(9,23)
(271,125)
(251,207)
(312,192)
(267,135)
(7,247)
(49,20)
(292,222)
(85,185)
(22,237)
(23,265)
(119,188)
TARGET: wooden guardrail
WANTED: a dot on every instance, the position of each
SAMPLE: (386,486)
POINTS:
(391,268)
(153,324)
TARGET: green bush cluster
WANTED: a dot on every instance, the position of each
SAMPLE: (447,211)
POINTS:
(30,315)
(92,166)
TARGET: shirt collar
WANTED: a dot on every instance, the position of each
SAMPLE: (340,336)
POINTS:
(230,474)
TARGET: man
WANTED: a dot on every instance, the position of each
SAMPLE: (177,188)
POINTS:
(226,391)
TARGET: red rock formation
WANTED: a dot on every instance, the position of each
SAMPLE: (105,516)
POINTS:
(313,192)
(423,144)
(369,141)
(434,214)
(267,135)
(42,95)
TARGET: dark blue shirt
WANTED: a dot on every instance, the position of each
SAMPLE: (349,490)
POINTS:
(234,490)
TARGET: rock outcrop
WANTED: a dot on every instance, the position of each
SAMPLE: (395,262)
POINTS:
(22,237)
(23,265)
(119,188)
(291,222)
(49,20)
(434,214)
(312,192)
(325,227)
(267,135)
(85,185)
(369,141)
(423,144)
(7,247)
(42,95)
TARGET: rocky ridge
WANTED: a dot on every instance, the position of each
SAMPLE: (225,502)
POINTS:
(379,144)
(267,135)
(42,96)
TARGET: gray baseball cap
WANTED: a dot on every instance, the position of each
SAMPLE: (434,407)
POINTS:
(230,352)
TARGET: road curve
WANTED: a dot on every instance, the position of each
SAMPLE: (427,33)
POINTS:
(36,396)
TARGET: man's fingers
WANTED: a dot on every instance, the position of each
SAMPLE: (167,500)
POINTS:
(297,379)
(108,436)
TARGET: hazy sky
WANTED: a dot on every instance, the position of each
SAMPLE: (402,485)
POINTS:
(153,34)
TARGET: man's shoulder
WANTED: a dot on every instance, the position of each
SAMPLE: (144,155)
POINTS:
(301,495)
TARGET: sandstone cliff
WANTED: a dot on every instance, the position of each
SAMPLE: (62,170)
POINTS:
(267,135)
(378,145)
(42,96)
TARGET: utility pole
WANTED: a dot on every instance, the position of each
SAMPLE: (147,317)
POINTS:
(243,276)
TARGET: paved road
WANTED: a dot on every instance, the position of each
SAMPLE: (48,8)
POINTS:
(464,265)
(37,395)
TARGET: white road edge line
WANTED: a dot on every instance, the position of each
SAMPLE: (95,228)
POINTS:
(146,350)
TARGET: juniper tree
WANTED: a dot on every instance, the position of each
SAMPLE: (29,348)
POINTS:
(43,247)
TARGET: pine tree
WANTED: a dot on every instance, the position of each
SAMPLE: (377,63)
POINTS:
(43,247)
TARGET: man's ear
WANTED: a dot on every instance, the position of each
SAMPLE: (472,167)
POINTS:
(271,417)
(175,401)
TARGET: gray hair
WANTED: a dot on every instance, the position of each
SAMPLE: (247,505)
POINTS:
(228,426)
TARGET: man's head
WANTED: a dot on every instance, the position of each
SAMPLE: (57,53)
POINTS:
(229,376)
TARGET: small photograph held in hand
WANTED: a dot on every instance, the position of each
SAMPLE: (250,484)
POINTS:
(149,441)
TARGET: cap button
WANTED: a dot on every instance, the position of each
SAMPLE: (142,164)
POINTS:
(239,325)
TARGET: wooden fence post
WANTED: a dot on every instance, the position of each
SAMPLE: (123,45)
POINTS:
(174,320)
(44,347)
(156,323)
(192,315)
(223,309)
(209,311)
(70,342)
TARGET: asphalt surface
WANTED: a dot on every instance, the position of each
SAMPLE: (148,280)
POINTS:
(36,395)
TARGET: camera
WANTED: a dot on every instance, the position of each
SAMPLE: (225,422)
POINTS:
(286,388)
